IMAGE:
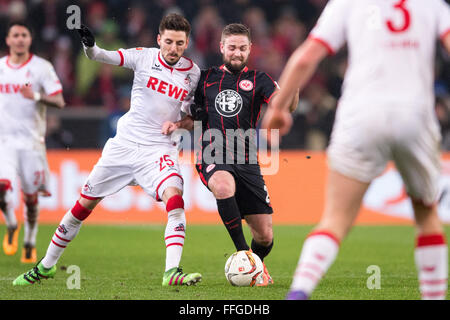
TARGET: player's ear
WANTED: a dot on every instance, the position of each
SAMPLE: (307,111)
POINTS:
(158,39)
(221,47)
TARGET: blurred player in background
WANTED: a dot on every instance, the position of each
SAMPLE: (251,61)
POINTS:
(28,84)
(385,113)
(139,154)
(229,97)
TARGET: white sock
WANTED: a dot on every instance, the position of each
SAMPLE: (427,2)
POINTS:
(66,232)
(319,252)
(174,237)
(431,257)
(31,225)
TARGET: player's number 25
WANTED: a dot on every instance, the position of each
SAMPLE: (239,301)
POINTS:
(165,161)
(400,6)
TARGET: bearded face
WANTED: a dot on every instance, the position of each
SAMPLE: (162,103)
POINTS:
(235,51)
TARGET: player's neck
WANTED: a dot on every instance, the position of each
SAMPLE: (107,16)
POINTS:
(15,58)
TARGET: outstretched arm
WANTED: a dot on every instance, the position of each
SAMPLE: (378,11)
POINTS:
(295,100)
(299,69)
(93,52)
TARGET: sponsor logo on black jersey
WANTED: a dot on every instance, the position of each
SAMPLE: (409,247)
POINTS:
(228,103)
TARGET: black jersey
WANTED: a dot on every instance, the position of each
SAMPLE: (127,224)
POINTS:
(229,104)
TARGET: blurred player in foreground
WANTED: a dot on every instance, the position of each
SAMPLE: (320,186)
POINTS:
(28,84)
(386,112)
(229,98)
(139,154)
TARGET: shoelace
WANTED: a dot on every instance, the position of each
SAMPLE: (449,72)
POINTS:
(34,274)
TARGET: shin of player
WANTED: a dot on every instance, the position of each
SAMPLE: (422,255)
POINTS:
(7,208)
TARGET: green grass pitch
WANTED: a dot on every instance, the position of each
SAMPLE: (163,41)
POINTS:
(127,262)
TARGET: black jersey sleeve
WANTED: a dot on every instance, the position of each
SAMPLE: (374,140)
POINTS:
(198,110)
(267,86)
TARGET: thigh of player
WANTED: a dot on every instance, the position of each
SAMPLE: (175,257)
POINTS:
(157,169)
(33,171)
(252,194)
(222,185)
(112,172)
(8,167)
(359,147)
(417,158)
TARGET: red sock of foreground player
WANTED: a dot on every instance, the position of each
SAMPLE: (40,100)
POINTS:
(175,231)
(431,255)
(318,253)
(67,230)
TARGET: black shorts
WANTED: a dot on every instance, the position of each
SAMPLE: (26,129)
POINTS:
(251,192)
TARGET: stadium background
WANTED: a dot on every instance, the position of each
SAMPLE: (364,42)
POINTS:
(97,95)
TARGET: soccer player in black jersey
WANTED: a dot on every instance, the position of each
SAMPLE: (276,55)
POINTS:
(228,101)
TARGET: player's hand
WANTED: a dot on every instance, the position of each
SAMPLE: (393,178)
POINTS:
(277,119)
(87,37)
(26,91)
(168,127)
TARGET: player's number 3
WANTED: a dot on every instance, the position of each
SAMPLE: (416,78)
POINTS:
(401,27)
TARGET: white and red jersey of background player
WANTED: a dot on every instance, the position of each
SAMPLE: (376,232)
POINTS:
(159,92)
(22,120)
(391,47)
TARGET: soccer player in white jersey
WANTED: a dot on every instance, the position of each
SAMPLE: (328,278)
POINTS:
(28,84)
(139,154)
(386,112)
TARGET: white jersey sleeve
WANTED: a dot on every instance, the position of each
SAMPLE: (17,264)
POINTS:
(330,28)
(130,57)
(105,56)
(443,23)
(49,80)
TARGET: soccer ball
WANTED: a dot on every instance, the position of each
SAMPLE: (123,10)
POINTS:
(244,269)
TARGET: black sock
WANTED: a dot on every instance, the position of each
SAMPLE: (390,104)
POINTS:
(231,217)
(260,250)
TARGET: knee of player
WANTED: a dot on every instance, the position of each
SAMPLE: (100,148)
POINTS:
(222,189)
(31,201)
(265,238)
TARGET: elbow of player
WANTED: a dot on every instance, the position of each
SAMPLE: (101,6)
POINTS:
(61,104)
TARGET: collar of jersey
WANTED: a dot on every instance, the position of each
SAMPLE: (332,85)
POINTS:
(20,66)
(161,60)
(222,67)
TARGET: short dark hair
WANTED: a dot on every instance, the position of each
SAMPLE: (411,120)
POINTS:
(176,22)
(236,29)
(19,23)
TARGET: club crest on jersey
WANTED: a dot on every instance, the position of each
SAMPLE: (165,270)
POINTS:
(228,103)
(246,85)
(187,80)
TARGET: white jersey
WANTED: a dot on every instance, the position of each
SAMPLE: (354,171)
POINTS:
(159,93)
(391,45)
(22,120)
